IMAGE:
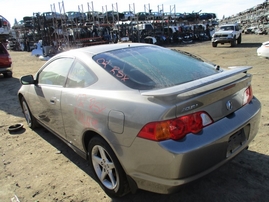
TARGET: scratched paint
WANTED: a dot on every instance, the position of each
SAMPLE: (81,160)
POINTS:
(85,107)
(86,120)
(115,70)
(119,73)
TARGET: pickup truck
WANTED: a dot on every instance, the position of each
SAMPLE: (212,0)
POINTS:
(228,33)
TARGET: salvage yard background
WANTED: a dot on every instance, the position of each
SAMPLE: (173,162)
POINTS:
(37,166)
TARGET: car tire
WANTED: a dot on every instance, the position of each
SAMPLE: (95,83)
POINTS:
(30,119)
(7,75)
(239,40)
(233,42)
(107,169)
(214,44)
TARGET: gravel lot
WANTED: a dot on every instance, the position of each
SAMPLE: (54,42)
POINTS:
(37,166)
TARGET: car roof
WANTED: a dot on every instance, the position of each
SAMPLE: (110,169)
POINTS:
(93,50)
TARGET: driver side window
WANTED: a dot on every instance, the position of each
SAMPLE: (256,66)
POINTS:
(56,72)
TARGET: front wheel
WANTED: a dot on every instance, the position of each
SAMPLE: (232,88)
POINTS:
(107,168)
(233,42)
(30,119)
(214,44)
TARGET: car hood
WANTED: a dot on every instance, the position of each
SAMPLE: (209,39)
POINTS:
(224,32)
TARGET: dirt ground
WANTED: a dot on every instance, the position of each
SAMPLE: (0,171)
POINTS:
(37,166)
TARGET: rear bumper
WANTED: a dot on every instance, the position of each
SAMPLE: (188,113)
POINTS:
(5,69)
(163,167)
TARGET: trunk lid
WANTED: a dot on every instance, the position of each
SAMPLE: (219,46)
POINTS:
(219,95)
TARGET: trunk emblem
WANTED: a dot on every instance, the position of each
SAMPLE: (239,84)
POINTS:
(229,105)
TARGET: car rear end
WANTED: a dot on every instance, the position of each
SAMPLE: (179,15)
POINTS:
(192,116)
(5,62)
(211,127)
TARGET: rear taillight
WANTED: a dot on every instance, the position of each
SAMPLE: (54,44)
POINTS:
(6,61)
(9,59)
(176,128)
(248,95)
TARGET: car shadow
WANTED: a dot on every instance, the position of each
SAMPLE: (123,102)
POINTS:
(9,103)
(242,45)
(243,178)
(249,45)
(64,149)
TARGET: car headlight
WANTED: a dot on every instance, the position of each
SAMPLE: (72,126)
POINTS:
(230,36)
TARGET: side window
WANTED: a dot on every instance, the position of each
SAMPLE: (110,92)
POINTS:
(55,73)
(237,28)
(80,76)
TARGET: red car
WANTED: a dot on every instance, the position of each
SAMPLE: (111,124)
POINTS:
(5,62)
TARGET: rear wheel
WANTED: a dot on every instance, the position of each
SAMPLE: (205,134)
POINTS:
(107,168)
(7,75)
(30,119)
(239,40)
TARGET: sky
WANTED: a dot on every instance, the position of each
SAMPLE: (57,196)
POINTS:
(17,9)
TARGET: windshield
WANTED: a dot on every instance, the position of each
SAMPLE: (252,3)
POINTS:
(226,28)
(153,67)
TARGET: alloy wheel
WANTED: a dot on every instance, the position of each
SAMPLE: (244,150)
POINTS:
(104,167)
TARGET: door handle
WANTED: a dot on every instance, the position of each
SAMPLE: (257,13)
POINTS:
(52,100)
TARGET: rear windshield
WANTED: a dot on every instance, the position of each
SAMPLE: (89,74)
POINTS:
(153,67)
(3,50)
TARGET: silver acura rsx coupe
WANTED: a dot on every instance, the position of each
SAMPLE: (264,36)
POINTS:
(146,117)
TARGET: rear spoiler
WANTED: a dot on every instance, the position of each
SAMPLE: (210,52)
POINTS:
(186,87)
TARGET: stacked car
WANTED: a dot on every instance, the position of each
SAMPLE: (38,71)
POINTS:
(4,28)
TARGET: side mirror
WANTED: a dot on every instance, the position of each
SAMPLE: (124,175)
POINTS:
(27,80)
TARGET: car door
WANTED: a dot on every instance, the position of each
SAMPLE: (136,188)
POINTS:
(77,103)
(46,105)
